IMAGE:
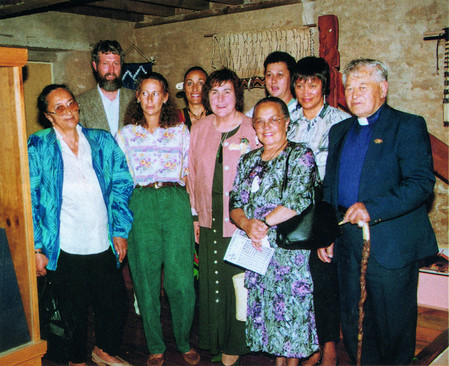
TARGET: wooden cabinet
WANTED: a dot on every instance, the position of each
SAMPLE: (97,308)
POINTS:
(15,201)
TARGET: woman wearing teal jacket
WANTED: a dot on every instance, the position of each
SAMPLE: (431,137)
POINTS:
(80,187)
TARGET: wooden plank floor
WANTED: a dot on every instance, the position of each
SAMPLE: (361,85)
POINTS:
(431,335)
(432,339)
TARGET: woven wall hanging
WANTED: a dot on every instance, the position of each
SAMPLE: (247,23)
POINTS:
(245,52)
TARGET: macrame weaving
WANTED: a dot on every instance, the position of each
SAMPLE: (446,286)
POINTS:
(245,52)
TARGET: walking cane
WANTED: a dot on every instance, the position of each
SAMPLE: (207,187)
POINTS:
(363,267)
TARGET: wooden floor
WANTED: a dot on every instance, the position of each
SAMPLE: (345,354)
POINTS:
(432,339)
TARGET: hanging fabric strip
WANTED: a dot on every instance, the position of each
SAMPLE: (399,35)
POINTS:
(245,52)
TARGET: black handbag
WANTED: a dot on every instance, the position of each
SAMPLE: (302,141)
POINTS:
(316,227)
(57,322)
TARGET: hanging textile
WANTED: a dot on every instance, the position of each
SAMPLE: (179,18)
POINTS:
(245,52)
(255,82)
(133,71)
(328,34)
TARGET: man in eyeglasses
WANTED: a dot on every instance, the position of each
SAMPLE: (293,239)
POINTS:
(104,106)
(379,171)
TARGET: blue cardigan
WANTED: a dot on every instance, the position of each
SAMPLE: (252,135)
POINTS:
(46,180)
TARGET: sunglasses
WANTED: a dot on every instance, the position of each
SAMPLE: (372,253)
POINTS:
(61,109)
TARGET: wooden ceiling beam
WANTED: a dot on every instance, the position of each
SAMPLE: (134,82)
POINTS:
(216,12)
(134,7)
(182,4)
(35,6)
(228,2)
(104,13)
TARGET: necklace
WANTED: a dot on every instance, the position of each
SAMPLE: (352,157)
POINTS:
(197,117)
(277,151)
(224,136)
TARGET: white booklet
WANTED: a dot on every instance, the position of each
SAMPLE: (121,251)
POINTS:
(242,253)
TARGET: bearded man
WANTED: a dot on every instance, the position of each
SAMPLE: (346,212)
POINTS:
(104,106)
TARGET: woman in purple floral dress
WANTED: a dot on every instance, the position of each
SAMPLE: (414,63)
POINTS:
(280,315)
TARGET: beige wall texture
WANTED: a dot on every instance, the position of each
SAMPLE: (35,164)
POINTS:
(390,30)
(179,46)
(64,40)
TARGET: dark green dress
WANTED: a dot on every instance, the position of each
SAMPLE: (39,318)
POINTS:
(219,330)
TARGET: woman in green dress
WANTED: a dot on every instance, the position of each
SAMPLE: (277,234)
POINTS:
(216,144)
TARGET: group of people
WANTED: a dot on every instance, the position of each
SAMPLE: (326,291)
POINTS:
(171,178)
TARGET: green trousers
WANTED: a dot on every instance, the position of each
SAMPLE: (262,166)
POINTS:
(162,237)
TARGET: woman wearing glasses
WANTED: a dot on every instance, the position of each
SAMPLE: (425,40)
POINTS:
(280,316)
(80,187)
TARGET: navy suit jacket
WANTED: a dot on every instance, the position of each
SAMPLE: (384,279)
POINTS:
(396,181)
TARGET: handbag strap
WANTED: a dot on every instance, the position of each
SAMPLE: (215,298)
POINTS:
(317,183)
(284,182)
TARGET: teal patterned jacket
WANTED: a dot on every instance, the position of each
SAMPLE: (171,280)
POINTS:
(46,180)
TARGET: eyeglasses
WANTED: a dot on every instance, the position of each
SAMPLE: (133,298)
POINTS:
(61,109)
(273,121)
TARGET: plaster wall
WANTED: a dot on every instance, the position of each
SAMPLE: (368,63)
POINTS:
(393,31)
(65,40)
(179,46)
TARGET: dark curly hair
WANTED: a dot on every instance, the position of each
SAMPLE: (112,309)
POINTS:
(134,113)
(218,78)
(312,67)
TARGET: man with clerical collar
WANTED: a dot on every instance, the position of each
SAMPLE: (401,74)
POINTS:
(104,106)
(379,171)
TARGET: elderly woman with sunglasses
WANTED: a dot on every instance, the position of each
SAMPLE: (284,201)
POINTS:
(80,187)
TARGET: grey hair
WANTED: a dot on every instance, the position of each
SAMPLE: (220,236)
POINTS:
(380,69)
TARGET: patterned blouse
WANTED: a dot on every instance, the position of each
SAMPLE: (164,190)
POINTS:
(161,156)
(257,186)
(315,132)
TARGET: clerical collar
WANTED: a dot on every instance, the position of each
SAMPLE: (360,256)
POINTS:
(365,121)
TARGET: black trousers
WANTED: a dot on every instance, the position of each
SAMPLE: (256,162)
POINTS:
(389,325)
(93,280)
(325,299)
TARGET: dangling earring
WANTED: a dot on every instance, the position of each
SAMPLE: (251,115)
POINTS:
(138,101)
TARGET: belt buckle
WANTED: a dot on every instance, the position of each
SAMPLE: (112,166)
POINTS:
(157,185)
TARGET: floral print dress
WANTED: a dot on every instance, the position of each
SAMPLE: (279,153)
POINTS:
(280,315)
